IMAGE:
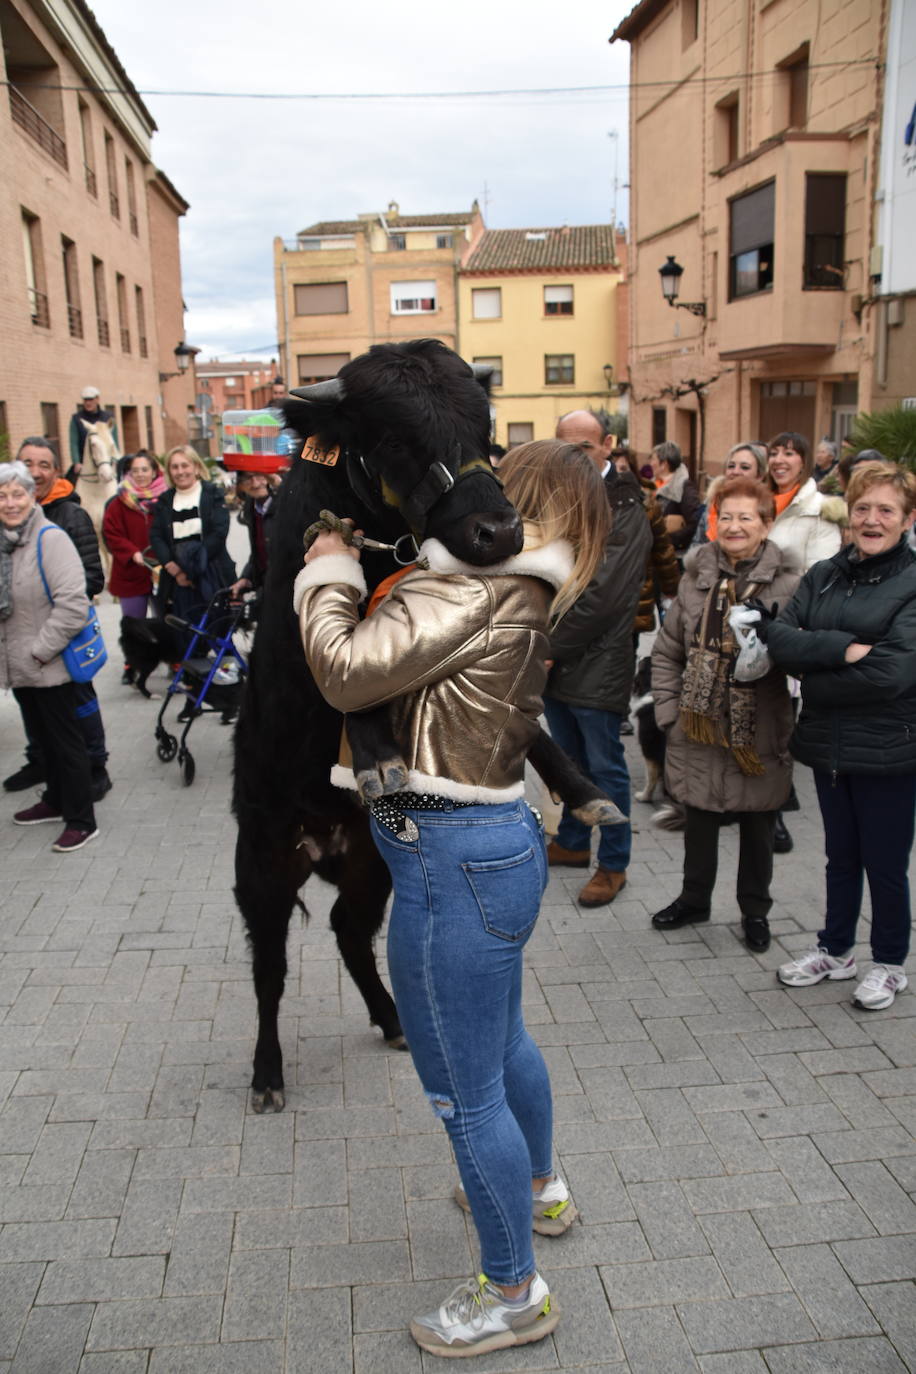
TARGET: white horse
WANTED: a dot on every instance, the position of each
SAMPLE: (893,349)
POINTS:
(97,481)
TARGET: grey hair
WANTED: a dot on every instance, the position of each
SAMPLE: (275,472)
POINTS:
(758,450)
(17,472)
(669,453)
(828,444)
(38,441)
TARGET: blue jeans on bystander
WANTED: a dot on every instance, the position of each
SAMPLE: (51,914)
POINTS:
(591,738)
(466,897)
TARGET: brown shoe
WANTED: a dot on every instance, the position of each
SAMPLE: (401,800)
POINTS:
(602,887)
(567,858)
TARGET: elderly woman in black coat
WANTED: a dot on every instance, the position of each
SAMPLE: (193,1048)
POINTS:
(849,634)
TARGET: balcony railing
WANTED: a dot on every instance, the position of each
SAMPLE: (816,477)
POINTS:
(114,204)
(104,334)
(144,351)
(75,321)
(28,118)
(38,304)
(92,185)
(134,224)
(125,340)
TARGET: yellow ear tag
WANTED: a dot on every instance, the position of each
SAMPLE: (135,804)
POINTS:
(313,454)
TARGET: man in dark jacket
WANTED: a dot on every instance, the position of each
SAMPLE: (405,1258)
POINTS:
(588,691)
(257,517)
(60,503)
(90,411)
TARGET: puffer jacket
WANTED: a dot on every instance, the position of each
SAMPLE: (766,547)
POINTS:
(810,524)
(855,717)
(707,776)
(32,636)
(458,651)
(662,571)
(592,646)
(65,510)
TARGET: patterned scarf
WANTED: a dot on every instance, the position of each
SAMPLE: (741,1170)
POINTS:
(711,699)
(11,539)
(142,498)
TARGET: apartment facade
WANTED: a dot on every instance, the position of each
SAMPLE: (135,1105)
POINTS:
(755,138)
(383,277)
(236,384)
(541,307)
(90,290)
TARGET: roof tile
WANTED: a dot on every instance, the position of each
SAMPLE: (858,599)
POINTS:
(520,250)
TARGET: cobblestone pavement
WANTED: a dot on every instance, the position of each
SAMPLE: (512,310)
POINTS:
(743,1156)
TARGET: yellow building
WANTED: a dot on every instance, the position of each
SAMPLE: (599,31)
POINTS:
(541,306)
(756,156)
(383,277)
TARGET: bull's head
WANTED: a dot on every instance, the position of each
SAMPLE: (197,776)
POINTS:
(411,423)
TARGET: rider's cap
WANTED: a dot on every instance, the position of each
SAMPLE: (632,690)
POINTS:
(90,393)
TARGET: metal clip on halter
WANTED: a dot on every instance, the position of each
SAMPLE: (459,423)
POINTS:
(327,520)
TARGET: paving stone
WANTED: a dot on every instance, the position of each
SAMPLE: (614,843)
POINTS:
(101,1280)
(893,1305)
(661,1282)
(597,1189)
(439,1240)
(744,1323)
(164,1321)
(878,1261)
(238,1357)
(670,1116)
(830,1300)
(653,1339)
(735,1362)
(236,1194)
(667,1219)
(148,1217)
(881,1198)
(386,1352)
(199,1257)
(851,1147)
(329,1266)
(53,1340)
(55,1240)
(20,1284)
(586,1334)
(840,1357)
(668,1162)
(376,1205)
(737,1193)
(116,1362)
(32,1204)
(256,1295)
(319,1332)
(805,1169)
(742,1254)
(818,1118)
(736,1143)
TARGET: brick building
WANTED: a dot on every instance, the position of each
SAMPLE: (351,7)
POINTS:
(382,277)
(541,306)
(235,384)
(755,142)
(90,286)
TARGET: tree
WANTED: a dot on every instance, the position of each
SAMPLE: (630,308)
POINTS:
(892,432)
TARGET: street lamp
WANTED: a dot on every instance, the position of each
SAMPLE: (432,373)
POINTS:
(608,370)
(671,274)
(184,354)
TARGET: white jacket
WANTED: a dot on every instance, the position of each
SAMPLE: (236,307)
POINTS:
(810,525)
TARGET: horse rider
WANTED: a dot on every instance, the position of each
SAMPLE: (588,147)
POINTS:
(89,413)
(59,503)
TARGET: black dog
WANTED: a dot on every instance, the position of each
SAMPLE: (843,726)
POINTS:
(147,643)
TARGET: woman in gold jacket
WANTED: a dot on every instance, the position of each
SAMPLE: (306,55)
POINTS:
(458,652)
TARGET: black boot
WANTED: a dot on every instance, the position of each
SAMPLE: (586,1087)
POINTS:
(31,774)
(677,914)
(756,933)
(100,782)
(782,840)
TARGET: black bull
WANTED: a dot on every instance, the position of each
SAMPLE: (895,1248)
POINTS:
(407,426)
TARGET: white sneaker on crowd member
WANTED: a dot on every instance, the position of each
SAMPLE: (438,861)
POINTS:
(552,1209)
(477,1317)
(880,986)
(815,965)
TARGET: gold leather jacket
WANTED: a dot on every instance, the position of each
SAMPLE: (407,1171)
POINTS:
(459,653)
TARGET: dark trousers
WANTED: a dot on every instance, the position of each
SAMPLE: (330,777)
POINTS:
(50,720)
(755,859)
(868,831)
(89,720)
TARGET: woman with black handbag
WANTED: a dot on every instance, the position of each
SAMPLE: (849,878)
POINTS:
(43,604)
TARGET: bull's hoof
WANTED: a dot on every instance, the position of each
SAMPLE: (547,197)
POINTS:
(397,1042)
(270,1100)
(599,811)
(369,785)
(394,776)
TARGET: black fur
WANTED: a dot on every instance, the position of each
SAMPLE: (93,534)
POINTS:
(147,643)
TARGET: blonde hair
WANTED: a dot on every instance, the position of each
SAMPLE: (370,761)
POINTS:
(867,475)
(186,451)
(557,488)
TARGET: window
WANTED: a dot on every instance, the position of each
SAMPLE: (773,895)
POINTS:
(101,302)
(659,425)
(50,424)
(496,378)
(726,130)
(318,367)
(141,322)
(486,302)
(413,297)
(36,283)
(792,91)
(690,22)
(558,300)
(148,420)
(444,240)
(825,229)
(233,401)
(131,198)
(559,368)
(114,203)
(121,290)
(321,298)
(397,243)
(88,149)
(751,220)
(72,288)
(519,432)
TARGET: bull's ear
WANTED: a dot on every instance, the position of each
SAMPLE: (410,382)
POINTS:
(319,416)
(483,373)
(331,390)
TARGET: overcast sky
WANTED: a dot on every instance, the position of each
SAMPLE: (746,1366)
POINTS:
(253,168)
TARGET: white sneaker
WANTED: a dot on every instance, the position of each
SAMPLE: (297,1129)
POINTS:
(552,1209)
(814,966)
(477,1318)
(880,986)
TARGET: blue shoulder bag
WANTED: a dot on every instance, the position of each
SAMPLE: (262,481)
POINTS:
(86,652)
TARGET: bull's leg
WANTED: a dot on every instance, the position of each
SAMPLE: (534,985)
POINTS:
(268,877)
(356,919)
(570,786)
(377,761)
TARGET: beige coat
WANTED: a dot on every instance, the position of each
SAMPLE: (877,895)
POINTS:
(704,775)
(810,525)
(32,637)
(459,652)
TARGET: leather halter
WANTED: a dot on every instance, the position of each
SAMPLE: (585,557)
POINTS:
(417,504)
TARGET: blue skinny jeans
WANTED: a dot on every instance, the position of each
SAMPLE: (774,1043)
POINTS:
(466,898)
(591,738)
